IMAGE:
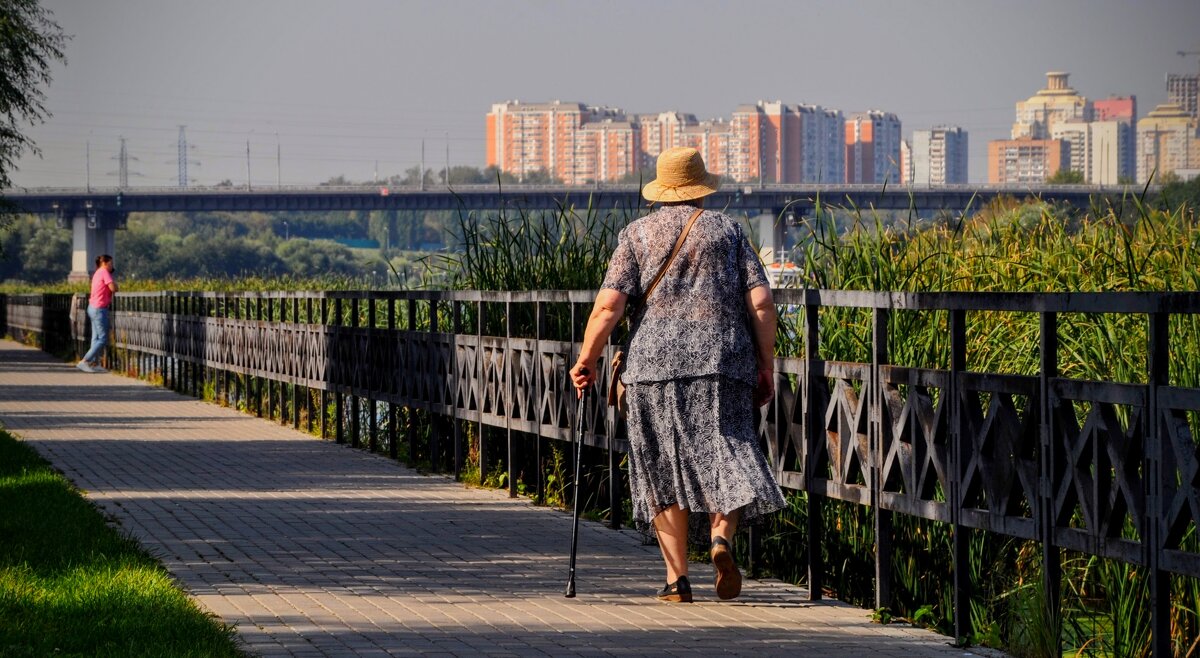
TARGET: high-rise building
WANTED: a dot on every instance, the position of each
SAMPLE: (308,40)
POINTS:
(824,158)
(775,142)
(939,156)
(1111,158)
(906,162)
(523,138)
(577,144)
(1183,90)
(1056,103)
(607,150)
(1168,142)
(1122,109)
(660,132)
(1025,161)
(715,141)
(872,148)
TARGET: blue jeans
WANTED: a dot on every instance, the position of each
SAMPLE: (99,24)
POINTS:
(99,318)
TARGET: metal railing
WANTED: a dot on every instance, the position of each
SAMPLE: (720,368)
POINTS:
(1104,468)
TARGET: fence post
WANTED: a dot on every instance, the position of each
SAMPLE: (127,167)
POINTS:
(508,393)
(393,435)
(960,546)
(355,399)
(372,379)
(1050,457)
(1156,475)
(883,518)
(410,428)
(456,331)
(814,371)
(538,384)
(434,429)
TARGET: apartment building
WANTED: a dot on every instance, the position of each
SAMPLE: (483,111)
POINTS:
(607,150)
(939,157)
(1025,161)
(660,132)
(715,141)
(1168,142)
(1099,138)
(1098,149)
(769,142)
(1057,103)
(1122,109)
(526,137)
(906,162)
(872,148)
(1183,90)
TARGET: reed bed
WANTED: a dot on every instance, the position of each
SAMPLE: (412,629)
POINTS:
(1008,246)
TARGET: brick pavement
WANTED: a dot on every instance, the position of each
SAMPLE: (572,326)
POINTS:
(316,549)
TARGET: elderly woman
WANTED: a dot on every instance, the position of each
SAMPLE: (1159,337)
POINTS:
(700,357)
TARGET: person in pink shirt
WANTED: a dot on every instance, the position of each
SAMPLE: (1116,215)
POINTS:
(99,302)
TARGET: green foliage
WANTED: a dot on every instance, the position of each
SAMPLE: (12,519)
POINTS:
(35,251)
(1178,193)
(30,42)
(564,249)
(307,257)
(1005,247)
(1066,177)
(71,585)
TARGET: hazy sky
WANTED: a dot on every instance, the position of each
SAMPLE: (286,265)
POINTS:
(348,84)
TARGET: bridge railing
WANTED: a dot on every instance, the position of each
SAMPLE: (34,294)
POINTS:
(1105,468)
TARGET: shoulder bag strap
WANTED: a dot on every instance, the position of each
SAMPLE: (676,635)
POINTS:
(674,252)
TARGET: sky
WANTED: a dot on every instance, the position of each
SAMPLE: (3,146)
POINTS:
(354,88)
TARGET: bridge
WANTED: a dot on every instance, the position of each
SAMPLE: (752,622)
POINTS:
(94,213)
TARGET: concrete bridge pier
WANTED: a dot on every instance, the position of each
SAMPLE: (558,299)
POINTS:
(772,229)
(93,232)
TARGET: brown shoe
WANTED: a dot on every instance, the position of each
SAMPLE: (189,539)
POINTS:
(679,591)
(729,580)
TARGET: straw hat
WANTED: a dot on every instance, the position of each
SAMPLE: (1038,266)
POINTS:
(681,177)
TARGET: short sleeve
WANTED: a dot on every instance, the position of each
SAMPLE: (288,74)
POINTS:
(750,268)
(624,274)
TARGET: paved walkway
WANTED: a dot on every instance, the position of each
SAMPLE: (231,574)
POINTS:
(315,549)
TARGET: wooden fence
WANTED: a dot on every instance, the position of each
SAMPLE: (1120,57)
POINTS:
(1104,468)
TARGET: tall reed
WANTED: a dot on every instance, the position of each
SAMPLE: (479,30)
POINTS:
(1010,246)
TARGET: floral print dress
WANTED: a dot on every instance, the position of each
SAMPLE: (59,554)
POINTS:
(690,368)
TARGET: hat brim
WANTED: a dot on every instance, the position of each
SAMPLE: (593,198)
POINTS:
(655,191)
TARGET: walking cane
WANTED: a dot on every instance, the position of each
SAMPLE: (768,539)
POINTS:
(575,514)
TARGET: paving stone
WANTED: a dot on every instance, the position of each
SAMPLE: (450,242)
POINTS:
(317,549)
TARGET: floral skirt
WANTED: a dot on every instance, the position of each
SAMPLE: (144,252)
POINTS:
(692,443)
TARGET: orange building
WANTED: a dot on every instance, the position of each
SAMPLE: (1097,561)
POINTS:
(1026,161)
(523,138)
(873,148)
(578,144)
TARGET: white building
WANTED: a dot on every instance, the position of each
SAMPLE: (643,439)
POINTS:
(939,157)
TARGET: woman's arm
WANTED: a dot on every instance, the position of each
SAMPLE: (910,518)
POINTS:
(606,313)
(760,305)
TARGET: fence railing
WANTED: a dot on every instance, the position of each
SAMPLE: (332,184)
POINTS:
(1105,468)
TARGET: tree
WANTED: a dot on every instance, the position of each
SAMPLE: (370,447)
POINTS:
(30,40)
(1066,177)
(493,174)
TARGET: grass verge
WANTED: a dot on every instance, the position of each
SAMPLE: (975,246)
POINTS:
(70,585)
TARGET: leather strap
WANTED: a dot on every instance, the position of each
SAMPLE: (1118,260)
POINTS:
(674,252)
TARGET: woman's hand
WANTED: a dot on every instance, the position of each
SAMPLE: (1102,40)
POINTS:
(764,387)
(582,376)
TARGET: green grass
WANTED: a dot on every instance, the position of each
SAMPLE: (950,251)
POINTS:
(70,585)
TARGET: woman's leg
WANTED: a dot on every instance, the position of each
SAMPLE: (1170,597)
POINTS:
(671,525)
(99,318)
(728,581)
(724,525)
